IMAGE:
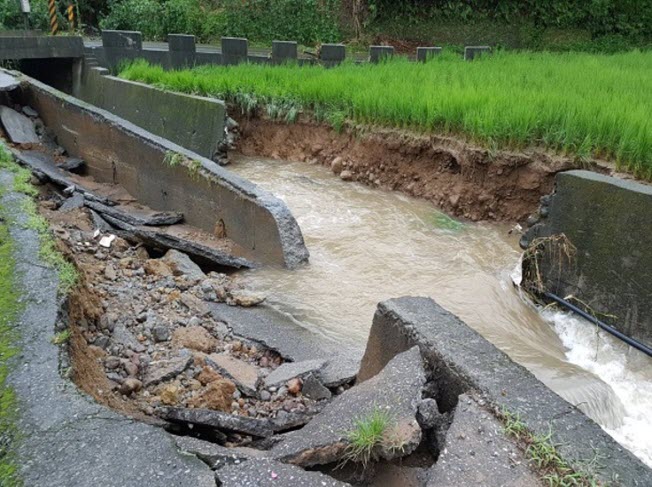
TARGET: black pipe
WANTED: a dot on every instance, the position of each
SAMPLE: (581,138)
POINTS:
(628,340)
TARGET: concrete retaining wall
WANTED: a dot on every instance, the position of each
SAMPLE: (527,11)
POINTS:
(193,122)
(119,151)
(609,221)
(460,360)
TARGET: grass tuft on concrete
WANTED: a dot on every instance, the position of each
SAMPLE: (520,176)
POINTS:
(368,433)
(544,456)
(579,104)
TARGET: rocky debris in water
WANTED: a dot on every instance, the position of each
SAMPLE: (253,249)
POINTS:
(165,370)
(478,453)
(269,473)
(291,370)
(182,265)
(18,127)
(194,338)
(215,419)
(216,456)
(217,395)
(244,298)
(346,175)
(396,390)
(313,389)
(337,165)
(243,374)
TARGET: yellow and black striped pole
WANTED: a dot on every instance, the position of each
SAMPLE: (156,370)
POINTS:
(71,16)
(52,9)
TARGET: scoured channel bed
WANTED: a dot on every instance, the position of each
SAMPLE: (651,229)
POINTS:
(368,245)
(152,334)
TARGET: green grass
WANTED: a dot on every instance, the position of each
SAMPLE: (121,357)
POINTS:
(544,456)
(48,251)
(9,309)
(367,434)
(579,104)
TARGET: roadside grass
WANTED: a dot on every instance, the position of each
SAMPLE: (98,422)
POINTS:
(48,252)
(9,310)
(544,456)
(578,104)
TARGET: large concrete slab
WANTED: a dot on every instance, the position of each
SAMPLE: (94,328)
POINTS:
(396,391)
(18,127)
(270,473)
(609,221)
(477,453)
(462,360)
(66,438)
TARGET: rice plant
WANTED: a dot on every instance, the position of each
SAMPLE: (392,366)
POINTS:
(578,104)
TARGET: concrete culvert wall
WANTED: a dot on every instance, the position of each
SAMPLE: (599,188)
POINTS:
(608,223)
(167,177)
(193,122)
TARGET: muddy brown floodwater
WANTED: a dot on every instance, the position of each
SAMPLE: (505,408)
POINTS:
(368,245)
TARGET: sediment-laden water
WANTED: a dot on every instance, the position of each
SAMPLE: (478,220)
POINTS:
(368,245)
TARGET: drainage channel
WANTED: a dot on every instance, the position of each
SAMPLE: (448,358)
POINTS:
(368,245)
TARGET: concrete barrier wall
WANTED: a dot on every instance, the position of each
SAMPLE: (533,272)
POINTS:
(193,122)
(209,196)
(609,221)
(460,360)
(40,47)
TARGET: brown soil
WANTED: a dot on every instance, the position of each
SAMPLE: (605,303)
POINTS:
(461,179)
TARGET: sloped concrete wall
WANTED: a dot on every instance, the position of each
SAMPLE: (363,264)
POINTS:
(209,197)
(609,221)
(461,360)
(193,122)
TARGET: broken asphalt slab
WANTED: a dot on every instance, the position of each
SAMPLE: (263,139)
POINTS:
(395,391)
(281,333)
(477,452)
(217,456)
(269,473)
(216,419)
(18,127)
(67,439)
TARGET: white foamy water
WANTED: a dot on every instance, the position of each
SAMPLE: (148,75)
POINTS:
(626,370)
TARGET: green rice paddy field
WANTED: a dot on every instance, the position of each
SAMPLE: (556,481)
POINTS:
(583,105)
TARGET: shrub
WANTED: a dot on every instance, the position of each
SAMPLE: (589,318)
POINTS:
(142,15)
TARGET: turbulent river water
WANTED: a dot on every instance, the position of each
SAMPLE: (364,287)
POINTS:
(368,245)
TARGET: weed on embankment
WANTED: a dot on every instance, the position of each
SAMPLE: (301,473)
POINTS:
(579,104)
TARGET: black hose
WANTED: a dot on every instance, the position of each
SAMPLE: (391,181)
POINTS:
(628,340)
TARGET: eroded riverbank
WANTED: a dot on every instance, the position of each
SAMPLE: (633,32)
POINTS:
(368,245)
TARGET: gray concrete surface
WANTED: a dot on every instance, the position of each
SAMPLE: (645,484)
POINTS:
(193,122)
(40,47)
(168,177)
(395,391)
(67,440)
(461,360)
(274,330)
(269,473)
(609,221)
(477,453)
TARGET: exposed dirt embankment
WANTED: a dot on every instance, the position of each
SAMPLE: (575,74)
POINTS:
(463,180)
